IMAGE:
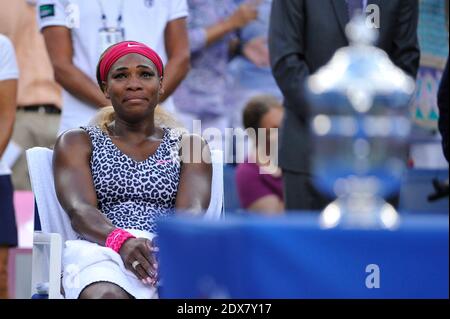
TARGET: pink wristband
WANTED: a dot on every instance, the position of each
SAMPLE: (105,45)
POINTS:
(116,238)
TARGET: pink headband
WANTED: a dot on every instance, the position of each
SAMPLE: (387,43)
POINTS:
(126,47)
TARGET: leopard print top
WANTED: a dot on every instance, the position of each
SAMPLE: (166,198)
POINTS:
(133,194)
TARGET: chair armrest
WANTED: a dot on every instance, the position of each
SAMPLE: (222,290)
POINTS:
(41,238)
(47,251)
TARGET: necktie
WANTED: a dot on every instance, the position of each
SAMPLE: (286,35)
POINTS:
(354,7)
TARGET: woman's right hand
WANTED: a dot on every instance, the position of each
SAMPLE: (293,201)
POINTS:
(244,14)
(141,250)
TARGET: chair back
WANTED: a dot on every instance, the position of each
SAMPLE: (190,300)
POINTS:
(215,209)
(52,216)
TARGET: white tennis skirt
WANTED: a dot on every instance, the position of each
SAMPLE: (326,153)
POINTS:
(85,262)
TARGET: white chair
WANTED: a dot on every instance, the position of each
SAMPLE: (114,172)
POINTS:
(56,226)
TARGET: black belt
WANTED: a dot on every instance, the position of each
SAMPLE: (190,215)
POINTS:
(41,108)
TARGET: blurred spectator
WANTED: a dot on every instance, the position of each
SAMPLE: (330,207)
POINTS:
(249,71)
(258,190)
(303,36)
(39,96)
(202,95)
(77,32)
(426,150)
(8,92)
(443,110)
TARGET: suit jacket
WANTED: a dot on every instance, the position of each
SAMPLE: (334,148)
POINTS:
(304,35)
(443,106)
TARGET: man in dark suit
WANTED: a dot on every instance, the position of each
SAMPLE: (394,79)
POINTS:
(443,106)
(303,36)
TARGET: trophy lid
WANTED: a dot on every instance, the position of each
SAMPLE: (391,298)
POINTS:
(361,72)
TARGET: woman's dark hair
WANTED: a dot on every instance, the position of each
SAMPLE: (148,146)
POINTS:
(256,108)
(97,73)
(99,81)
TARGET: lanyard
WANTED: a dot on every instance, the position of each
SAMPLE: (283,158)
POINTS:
(105,19)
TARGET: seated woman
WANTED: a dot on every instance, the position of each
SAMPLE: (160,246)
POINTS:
(259,185)
(115,179)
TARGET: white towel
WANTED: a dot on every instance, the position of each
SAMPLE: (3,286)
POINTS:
(85,263)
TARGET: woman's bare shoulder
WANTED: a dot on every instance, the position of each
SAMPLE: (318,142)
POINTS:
(74,140)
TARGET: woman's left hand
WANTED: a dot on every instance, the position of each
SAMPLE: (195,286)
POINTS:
(138,257)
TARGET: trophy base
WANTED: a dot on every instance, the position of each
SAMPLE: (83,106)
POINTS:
(360,211)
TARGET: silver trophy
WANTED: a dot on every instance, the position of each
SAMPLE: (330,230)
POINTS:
(360,127)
